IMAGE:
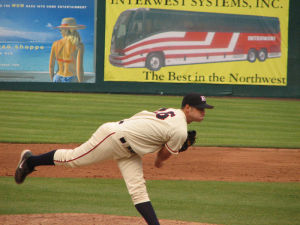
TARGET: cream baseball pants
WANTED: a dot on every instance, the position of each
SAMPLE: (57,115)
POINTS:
(105,145)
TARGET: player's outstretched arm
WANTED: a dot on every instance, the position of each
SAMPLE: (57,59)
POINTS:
(162,156)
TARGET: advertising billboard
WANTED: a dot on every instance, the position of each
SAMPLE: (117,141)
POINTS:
(47,41)
(238,42)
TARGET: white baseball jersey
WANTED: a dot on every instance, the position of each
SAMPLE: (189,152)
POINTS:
(145,132)
(148,132)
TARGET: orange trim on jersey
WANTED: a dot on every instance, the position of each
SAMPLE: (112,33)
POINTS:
(171,150)
(87,151)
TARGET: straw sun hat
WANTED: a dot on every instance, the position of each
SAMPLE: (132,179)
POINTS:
(70,23)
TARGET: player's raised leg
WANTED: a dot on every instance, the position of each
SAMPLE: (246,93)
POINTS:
(98,148)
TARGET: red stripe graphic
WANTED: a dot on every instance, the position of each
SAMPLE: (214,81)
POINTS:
(224,37)
(195,44)
(87,151)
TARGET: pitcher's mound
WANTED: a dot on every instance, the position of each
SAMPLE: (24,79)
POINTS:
(82,219)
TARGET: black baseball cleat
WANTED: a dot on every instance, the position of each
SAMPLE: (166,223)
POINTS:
(23,169)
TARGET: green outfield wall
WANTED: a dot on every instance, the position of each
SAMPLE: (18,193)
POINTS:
(102,85)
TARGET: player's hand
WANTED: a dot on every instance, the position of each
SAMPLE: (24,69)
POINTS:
(161,156)
(158,163)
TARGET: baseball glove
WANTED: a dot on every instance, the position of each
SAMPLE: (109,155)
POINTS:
(190,140)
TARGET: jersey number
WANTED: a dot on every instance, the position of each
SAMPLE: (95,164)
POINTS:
(164,115)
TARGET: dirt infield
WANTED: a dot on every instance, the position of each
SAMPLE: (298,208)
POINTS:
(205,163)
(80,219)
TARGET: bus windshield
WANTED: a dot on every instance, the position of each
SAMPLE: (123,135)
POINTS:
(120,31)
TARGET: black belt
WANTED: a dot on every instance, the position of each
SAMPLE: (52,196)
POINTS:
(123,141)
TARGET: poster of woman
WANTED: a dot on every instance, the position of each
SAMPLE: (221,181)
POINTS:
(47,41)
(67,53)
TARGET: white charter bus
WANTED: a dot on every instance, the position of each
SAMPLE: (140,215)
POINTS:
(154,38)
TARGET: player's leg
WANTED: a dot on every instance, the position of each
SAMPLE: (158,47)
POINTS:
(148,213)
(98,148)
(132,171)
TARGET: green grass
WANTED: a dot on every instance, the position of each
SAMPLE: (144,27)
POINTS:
(35,117)
(231,203)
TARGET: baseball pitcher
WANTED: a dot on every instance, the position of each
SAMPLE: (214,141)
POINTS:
(163,131)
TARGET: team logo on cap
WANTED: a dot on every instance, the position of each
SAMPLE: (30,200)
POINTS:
(203,99)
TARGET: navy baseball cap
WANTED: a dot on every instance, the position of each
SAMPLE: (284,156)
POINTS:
(195,100)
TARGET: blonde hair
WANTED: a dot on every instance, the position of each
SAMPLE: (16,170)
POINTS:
(72,42)
(73,36)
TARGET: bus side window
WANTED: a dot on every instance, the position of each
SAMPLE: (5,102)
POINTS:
(148,27)
(188,24)
(135,30)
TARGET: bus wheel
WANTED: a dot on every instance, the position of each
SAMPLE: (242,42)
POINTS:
(251,55)
(262,55)
(154,61)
